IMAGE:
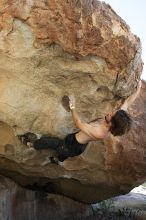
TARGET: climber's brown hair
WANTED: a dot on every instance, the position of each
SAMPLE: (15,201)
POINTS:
(121,123)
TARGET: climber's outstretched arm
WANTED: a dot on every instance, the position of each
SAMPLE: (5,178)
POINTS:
(75,116)
(85,127)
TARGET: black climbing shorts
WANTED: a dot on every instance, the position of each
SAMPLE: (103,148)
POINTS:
(69,147)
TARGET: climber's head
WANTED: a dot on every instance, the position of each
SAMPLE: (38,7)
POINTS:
(120,122)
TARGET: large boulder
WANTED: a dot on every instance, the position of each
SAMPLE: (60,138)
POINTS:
(50,49)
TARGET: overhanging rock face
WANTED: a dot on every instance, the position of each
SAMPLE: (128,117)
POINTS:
(49,49)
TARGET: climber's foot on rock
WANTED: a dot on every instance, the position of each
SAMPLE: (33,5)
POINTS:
(29,144)
(28,138)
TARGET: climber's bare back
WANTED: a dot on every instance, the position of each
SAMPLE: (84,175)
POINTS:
(95,132)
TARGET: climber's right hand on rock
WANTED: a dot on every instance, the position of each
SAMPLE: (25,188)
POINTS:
(71,105)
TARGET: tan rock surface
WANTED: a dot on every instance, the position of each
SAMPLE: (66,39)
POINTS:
(49,49)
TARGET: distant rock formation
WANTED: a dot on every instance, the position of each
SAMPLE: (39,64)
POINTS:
(51,49)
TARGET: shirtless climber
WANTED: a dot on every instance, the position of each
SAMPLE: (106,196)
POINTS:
(117,122)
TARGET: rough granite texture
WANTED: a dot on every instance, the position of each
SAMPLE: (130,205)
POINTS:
(49,49)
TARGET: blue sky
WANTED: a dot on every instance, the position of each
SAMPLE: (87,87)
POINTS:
(134,13)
